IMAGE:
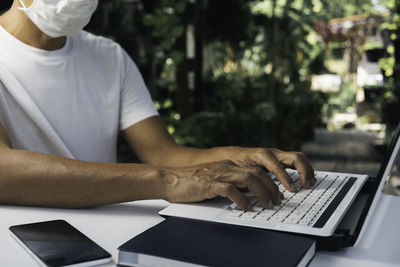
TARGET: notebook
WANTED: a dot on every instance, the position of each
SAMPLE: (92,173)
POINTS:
(317,211)
(185,242)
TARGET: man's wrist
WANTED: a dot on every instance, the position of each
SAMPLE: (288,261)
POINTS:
(155,185)
(168,181)
(228,153)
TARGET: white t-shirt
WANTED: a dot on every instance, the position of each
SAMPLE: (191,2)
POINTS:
(73,101)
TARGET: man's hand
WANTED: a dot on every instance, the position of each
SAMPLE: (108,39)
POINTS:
(275,161)
(248,171)
(222,178)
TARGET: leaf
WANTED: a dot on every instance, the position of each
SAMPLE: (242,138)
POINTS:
(177,56)
(148,20)
(167,44)
(177,31)
(265,111)
(180,7)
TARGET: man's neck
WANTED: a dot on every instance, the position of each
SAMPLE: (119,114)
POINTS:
(21,27)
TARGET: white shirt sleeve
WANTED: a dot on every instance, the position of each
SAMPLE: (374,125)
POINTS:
(136,103)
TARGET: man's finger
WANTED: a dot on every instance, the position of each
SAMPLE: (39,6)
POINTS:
(271,162)
(230,191)
(250,178)
(253,183)
(303,166)
(272,188)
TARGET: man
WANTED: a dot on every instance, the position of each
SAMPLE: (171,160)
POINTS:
(65,94)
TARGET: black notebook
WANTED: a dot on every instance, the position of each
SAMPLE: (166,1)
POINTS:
(186,242)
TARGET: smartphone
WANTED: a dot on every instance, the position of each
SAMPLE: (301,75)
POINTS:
(57,243)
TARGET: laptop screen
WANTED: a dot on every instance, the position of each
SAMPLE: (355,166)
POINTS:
(391,161)
(392,174)
(390,164)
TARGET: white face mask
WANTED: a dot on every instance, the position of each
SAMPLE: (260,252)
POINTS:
(58,18)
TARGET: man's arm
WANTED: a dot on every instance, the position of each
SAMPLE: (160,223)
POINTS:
(153,144)
(28,178)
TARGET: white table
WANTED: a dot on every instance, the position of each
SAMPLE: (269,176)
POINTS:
(111,226)
(379,245)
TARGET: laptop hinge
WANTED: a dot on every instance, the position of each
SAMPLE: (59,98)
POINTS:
(340,239)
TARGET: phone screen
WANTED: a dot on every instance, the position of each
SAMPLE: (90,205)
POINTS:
(57,243)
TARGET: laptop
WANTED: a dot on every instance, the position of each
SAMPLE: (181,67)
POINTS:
(335,210)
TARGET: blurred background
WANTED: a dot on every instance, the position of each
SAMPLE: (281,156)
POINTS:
(320,76)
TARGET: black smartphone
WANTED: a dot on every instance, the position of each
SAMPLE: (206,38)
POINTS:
(57,243)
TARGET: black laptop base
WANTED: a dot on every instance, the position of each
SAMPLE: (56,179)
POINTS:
(348,230)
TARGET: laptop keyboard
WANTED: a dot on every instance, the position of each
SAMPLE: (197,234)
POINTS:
(302,208)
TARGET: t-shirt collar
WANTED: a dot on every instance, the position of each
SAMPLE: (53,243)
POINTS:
(19,46)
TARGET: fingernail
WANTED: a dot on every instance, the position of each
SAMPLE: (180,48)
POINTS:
(293,187)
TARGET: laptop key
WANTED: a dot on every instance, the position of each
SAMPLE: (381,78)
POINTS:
(291,220)
(234,213)
(249,215)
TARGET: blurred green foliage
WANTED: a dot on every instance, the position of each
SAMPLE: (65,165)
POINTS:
(249,81)
(252,85)
(390,100)
(340,101)
(256,87)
